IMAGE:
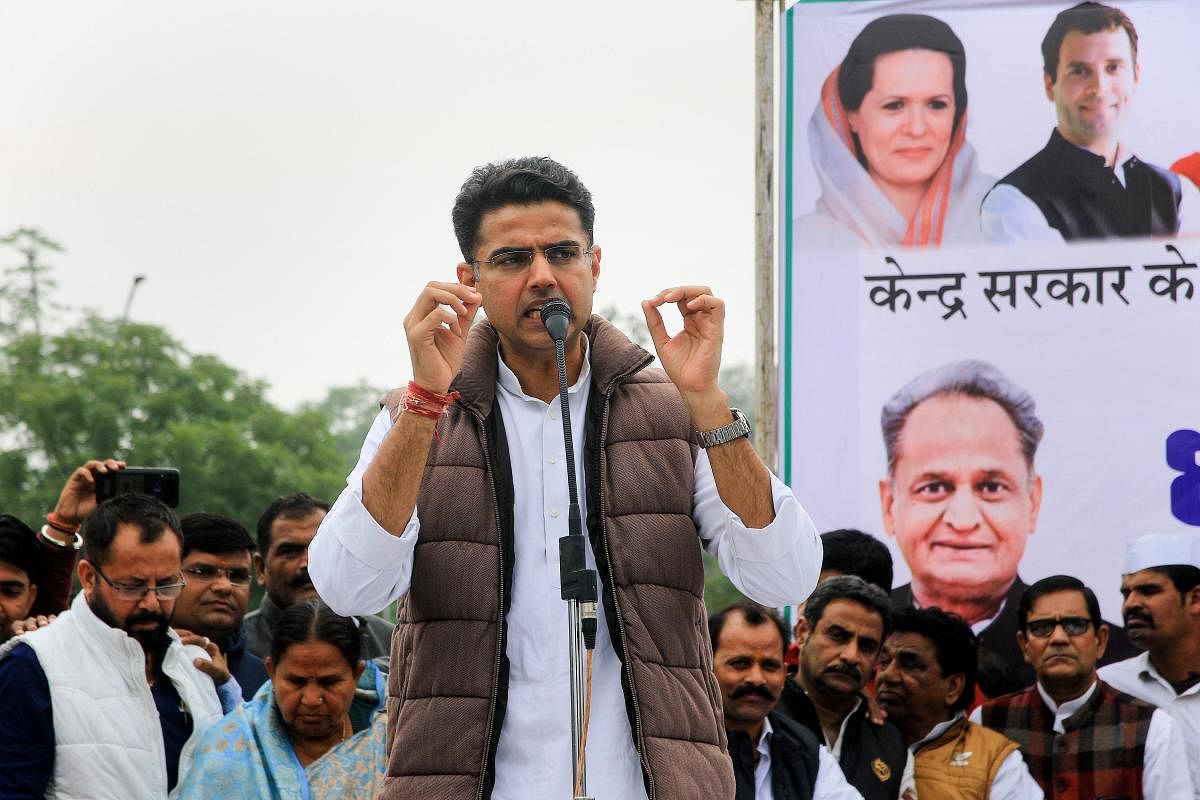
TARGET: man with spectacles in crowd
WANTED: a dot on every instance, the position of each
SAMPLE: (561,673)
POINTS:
(1081,737)
(107,701)
(217,564)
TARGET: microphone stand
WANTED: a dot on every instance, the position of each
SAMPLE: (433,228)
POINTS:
(578,583)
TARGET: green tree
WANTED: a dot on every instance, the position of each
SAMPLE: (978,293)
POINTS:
(24,297)
(131,391)
(350,410)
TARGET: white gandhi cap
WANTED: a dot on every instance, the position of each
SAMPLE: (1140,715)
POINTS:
(1162,550)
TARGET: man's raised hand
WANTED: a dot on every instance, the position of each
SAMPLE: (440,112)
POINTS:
(692,357)
(78,497)
(437,328)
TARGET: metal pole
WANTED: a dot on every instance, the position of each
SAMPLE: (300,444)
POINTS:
(137,279)
(766,375)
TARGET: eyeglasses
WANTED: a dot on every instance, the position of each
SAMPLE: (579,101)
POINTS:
(559,255)
(204,573)
(1044,628)
(127,591)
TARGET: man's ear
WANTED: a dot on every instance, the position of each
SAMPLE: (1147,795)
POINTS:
(466,274)
(955,685)
(801,631)
(1191,600)
(87,577)
(270,666)
(1023,642)
(1049,83)
(1035,502)
(260,570)
(1102,635)
(886,500)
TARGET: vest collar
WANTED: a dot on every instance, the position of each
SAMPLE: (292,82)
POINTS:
(613,359)
(949,729)
(1068,711)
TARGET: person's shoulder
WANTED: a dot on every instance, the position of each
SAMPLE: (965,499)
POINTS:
(789,728)
(17,657)
(1122,698)
(1024,697)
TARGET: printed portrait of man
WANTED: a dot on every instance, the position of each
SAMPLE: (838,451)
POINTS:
(1087,183)
(961,498)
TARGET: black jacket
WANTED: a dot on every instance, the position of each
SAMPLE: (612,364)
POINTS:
(795,760)
(872,756)
(1081,197)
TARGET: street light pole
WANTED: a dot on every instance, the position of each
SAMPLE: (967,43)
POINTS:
(137,279)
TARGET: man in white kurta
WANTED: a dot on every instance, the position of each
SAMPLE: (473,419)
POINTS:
(1161,587)
(519,253)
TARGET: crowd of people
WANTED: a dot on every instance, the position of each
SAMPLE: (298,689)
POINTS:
(154,681)
(157,672)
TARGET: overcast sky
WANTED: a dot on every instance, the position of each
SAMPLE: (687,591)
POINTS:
(282,172)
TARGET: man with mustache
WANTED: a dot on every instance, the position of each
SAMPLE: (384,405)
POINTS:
(1083,738)
(107,702)
(925,682)
(1086,183)
(217,564)
(845,621)
(285,529)
(1161,587)
(772,755)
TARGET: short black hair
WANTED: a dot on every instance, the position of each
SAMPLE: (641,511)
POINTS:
(1057,583)
(19,547)
(893,33)
(517,181)
(151,516)
(754,614)
(848,587)
(852,552)
(313,621)
(1087,18)
(214,533)
(1185,577)
(956,647)
(290,506)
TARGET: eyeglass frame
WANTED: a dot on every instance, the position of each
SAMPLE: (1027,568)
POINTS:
(1088,622)
(217,572)
(475,262)
(176,588)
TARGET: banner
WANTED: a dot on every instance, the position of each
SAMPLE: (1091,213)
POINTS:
(990,292)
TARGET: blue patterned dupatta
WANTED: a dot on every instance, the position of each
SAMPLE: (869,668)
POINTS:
(248,754)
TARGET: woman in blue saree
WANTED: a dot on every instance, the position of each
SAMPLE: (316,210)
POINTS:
(314,731)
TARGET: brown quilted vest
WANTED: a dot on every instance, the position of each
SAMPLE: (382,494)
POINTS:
(448,682)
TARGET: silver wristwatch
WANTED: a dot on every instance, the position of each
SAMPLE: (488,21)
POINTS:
(726,433)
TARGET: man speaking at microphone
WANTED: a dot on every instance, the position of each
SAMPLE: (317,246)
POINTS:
(461,494)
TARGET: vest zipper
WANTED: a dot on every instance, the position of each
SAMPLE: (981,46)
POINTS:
(487,736)
(638,738)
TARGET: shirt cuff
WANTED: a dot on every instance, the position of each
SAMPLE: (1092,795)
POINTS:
(777,539)
(364,538)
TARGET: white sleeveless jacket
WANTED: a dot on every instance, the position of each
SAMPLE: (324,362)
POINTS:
(108,739)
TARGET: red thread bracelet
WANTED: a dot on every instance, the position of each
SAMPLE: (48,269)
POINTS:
(425,403)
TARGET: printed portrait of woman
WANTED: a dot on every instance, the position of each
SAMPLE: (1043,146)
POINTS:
(888,141)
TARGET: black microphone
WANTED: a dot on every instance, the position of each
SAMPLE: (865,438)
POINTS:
(556,316)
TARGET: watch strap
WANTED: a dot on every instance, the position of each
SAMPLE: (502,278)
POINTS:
(726,433)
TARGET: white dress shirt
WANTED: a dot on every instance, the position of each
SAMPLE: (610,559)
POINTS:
(1137,677)
(359,568)
(831,781)
(1008,215)
(1012,781)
